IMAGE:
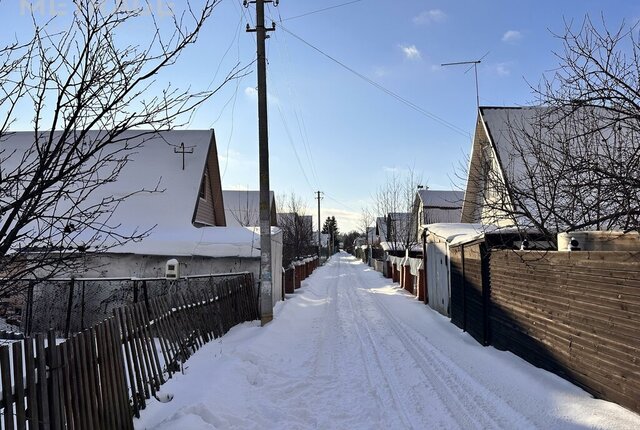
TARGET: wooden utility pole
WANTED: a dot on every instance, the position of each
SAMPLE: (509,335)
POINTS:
(319,225)
(266,299)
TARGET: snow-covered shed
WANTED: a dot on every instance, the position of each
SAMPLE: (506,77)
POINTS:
(458,269)
(242,208)
(439,238)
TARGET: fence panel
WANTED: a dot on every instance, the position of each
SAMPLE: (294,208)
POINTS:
(574,313)
(101,377)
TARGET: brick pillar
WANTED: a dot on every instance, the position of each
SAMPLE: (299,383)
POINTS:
(289,284)
(395,274)
(388,271)
(297,276)
(421,285)
(407,283)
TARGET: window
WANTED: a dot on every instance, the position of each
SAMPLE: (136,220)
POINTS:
(203,184)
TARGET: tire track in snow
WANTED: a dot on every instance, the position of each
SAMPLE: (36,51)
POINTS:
(368,339)
(476,403)
(333,349)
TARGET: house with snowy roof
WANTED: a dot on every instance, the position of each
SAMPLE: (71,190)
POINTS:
(437,206)
(547,170)
(242,208)
(182,209)
(396,231)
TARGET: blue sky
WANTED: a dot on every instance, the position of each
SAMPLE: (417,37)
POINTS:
(330,130)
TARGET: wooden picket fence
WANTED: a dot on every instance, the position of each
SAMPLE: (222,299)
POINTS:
(102,377)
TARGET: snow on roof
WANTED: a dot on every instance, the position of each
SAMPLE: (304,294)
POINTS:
(398,246)
(169,212)
(242,207)
(458,233)
(205,241)
(441,198)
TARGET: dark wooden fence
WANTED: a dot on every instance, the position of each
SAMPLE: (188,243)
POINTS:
(574,313)
(470,290)
(101,377)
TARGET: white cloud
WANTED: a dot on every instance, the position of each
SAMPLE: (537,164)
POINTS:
(512,36)
(429,16)
(252,94)
(410,52)
(502,69)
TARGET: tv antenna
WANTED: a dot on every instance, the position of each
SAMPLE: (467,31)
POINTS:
(474,66)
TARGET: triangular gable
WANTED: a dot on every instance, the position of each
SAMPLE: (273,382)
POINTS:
(156,163)
(210,207)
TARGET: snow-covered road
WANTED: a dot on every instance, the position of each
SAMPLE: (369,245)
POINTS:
(350,350)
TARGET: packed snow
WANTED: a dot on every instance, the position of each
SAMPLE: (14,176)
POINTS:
(351,350)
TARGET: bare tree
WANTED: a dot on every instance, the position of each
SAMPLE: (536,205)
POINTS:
(394,203)
(296,226)
(246,211)
(574,162)
(77,81)
(366,222)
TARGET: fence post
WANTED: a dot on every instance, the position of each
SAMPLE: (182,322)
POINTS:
(145,292)
(82,308)
(421,284)
(28,317)
(67,327)
(135,291)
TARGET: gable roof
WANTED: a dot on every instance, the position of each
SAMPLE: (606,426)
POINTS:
(171,211)
(242,208)
(440,198)
(494,132)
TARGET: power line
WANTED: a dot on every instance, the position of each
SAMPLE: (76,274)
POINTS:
(320,10)
(293,147)
(396,96)
(297,111)
(341,203)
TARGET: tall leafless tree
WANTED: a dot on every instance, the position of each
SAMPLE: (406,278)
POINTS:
(394,202)
(365,224)
(574,162)
(75,81)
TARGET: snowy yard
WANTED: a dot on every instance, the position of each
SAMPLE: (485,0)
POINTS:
(352,351)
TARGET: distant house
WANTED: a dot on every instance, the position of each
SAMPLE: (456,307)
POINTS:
(185,217)
(396,231)
(242,208)
(437,206)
